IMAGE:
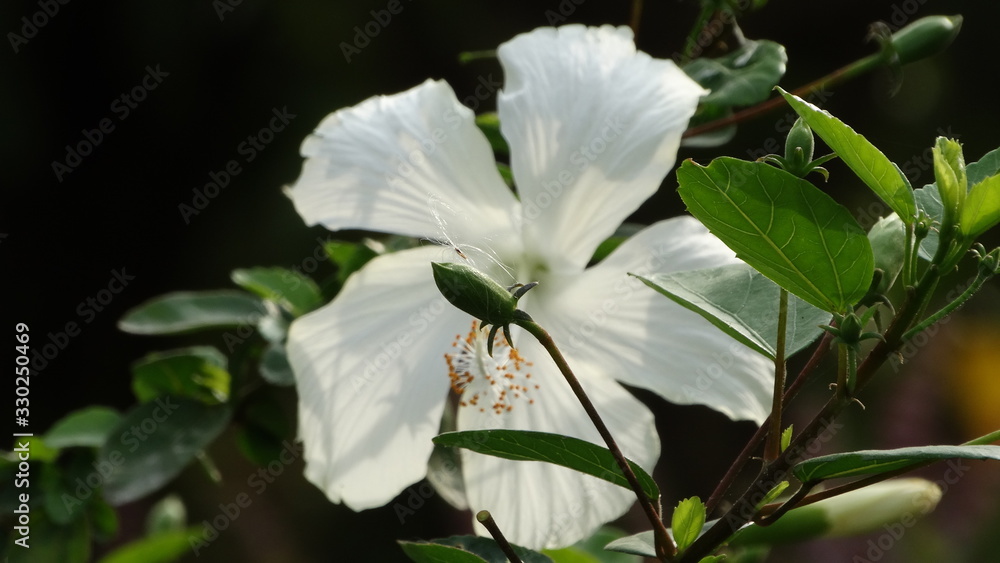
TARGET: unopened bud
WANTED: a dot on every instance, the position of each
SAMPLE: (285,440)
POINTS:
(925,37)
(949,172)
(885,505)
(475,293)
(799,145)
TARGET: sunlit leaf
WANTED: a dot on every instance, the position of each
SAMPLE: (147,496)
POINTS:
(868,163)
(181,312)
(784,227)
(573,453)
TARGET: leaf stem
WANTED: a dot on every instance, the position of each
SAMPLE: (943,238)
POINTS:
(776,471)
(635,17)
(665,547)
(486,519)
(843,74)
(976,284)
(744,456)
(772,447)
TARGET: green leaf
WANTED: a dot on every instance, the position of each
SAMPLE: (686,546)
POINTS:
(274,366)
(868,163)
(296,293)
(744,304)
(154,442)
(988,165)
(162,547)
(489,124)
(436,553)
(568,452)
(488,549)
(53,486)
(784,227)
(687,521)
(642,544)
(265,429)
(888,240)
(50,542)
(181,312)
(88,427)
(198,372)
(610,244)
(874,462)
(928,199)
(981,210)
(39,448)
(103,519)
(772,494)
(351,256)
(742,77)
(712,559)
(786,437)
(591,550)
(714,138)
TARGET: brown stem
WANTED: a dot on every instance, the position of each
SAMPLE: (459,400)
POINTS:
(635,17)
(772,448)
(742,511)
(665,547)
(486,519)
(842,74)
(744,456)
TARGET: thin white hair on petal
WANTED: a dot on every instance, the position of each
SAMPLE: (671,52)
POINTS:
(446,237)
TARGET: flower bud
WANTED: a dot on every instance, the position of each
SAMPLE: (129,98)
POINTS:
(889,505)
(949,172)
(878,505)
(925,37)
(799,145)
(475,293)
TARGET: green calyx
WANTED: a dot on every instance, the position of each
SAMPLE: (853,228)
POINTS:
(480,296)
(799,147)
(925,37)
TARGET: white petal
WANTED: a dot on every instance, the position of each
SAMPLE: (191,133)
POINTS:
(593,127)
(610,319)
(413,163)
(371,378)
(540,505)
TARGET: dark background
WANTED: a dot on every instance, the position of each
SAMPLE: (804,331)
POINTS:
(118,210)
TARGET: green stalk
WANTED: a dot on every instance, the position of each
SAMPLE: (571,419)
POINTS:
(778,470)
(772,448)
(843,74)
(486,519)
(947,309)
(665,547)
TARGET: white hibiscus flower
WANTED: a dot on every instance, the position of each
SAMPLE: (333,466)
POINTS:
(593,128)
